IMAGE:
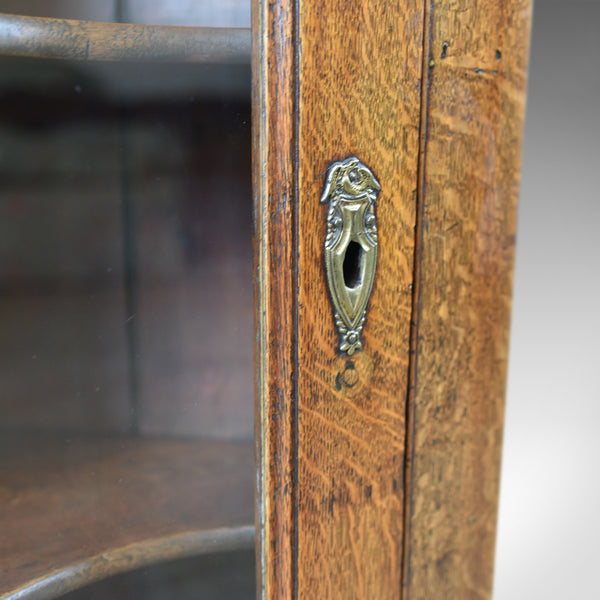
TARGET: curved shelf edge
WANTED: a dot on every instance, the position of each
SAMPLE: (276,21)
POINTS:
(134,556)
(38,37)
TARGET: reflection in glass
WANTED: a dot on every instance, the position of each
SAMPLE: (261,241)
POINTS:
(126,303)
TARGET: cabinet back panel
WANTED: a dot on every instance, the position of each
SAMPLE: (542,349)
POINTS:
(125,251)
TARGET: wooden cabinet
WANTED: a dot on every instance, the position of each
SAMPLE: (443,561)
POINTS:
(379,471)
(385,147)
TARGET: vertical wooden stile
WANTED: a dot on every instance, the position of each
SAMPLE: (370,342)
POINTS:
(359,94)
(274,177)
(476,58)
(332,79)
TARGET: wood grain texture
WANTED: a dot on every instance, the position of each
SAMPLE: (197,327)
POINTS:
(359,94)
(89,40)
(332,80)
(75,510)
(477,69)
(273,170)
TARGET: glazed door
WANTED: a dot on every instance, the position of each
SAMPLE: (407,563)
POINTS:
(126,446)
(385,163)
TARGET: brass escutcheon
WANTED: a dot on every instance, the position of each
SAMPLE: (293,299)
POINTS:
(350,246)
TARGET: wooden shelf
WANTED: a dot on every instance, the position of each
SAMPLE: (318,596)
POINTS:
(78,509)
(90,40)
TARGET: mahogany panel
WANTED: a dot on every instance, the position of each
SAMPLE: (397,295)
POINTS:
(474,116)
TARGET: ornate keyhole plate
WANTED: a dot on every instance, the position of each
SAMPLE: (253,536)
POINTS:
(350,245)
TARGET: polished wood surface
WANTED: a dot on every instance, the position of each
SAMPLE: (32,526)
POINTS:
(363,493)
(377,473)
(331,427)
(273,126)
(77,509)
(359,94)
(88,40)
(476,73)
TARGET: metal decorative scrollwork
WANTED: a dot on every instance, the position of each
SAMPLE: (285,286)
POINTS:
(350,245)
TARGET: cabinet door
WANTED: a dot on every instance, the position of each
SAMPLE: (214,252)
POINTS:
(387,148)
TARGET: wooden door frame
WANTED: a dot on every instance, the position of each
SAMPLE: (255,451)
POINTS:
(446,392)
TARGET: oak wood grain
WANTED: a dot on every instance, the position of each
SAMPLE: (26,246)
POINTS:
(351,506)
(75,510)
(332,446)
(477,55)
(359,69)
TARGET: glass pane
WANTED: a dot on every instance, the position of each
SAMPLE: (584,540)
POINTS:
(126,339)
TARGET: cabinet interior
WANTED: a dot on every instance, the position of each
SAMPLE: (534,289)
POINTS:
(126,292)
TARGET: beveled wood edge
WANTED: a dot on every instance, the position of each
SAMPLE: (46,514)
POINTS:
(134,556)
(274,131)
(38,37)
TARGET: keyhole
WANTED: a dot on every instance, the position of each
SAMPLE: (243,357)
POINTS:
(352,265)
